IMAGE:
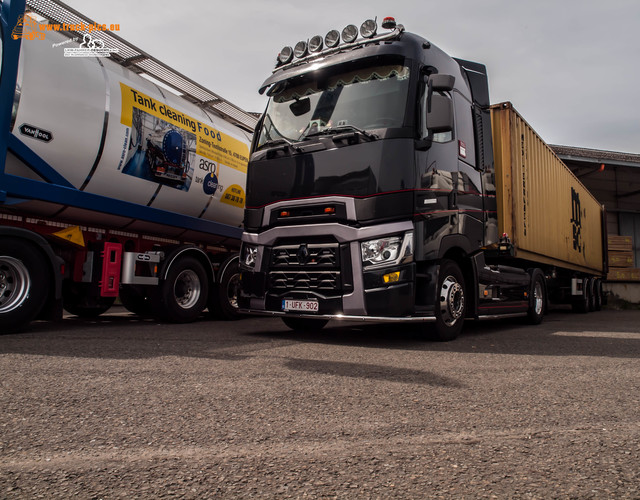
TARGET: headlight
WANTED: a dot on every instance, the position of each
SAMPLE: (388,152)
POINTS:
(249,255)
(387,251)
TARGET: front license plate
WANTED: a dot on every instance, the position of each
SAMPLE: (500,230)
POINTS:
(310,306)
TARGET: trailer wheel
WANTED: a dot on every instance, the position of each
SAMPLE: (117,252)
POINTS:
(182,296)
(305,324)
(136,300)
(580,304)
(77,300)
(223,300)
(450,302)
(537,298)
(24,284)
(597,296)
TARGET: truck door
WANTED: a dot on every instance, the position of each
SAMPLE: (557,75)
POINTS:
(469,193)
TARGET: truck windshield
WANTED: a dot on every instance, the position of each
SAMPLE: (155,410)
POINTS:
(364,99)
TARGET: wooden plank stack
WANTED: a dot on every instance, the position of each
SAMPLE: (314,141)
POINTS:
(621,259)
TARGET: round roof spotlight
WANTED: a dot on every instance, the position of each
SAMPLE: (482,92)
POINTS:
(285,55)
(368,28)
(315,44)
(332,39)
(300,50)
(389,23)
(349,34)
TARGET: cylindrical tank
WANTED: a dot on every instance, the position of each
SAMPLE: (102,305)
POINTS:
(113,133)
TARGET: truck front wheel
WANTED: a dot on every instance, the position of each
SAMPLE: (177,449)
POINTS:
(182,296)
(450,304)
(24,284)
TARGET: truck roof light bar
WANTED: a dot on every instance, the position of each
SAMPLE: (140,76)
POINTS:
(306,51)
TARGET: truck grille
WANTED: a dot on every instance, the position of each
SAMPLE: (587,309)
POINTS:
(304,280)
(313,267)
(309,256)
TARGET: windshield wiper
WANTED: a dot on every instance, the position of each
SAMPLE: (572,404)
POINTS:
(344,128)
(275,142)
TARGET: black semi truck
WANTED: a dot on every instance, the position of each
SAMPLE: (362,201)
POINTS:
(383,186)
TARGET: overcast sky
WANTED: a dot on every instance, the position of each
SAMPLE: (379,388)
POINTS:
(570,67)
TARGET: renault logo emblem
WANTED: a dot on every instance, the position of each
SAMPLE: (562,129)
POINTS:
(303,254)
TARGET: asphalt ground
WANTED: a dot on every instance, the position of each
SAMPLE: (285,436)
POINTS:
(121,407)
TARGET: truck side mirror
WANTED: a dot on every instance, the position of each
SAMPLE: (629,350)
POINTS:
(441,83)
(440,114)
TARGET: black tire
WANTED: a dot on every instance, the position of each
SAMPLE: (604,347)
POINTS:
(305,324)
(580,304)
(182,296)
(597,297)
(25,284)
(450,307)
(537,297)
(136,300)
(591,303)
(77,300)
(223,300)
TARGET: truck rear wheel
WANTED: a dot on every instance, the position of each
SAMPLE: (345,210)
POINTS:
(450,302)
(21,299)
(182,296)
(223,300)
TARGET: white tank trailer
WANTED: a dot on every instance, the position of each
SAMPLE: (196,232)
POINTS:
(118,176)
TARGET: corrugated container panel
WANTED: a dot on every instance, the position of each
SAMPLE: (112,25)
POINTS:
(549,215)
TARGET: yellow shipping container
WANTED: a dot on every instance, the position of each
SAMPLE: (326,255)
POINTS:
(549,215)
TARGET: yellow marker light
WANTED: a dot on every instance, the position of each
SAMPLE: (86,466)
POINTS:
(391,277)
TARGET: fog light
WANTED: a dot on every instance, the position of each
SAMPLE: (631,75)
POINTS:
(350,33)
(332,39)
(368,28)
(315,44)
(285,55)
(391,277)
(300,50)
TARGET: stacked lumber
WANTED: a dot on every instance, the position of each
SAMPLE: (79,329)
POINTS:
(621,259)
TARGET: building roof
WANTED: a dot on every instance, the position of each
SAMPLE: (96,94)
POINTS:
(596,156)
